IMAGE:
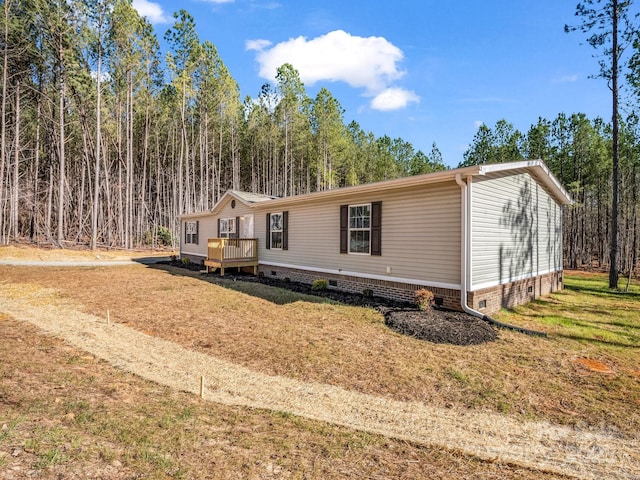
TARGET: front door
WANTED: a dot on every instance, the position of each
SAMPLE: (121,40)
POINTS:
(246,226)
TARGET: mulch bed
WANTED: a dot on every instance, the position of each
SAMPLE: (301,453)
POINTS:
(441,326)
(436,325)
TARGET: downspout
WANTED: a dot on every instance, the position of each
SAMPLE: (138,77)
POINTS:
(464,244)
(465,263)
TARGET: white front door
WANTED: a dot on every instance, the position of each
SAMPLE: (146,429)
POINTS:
(246,226)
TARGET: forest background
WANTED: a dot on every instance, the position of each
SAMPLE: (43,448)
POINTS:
(105,141)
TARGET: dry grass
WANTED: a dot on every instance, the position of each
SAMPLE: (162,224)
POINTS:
(67,415)
(344,346)
(350,347)
(27,252)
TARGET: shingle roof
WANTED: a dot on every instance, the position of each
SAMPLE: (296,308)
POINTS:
(249,197)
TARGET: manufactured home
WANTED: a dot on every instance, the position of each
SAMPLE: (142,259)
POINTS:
(480,238)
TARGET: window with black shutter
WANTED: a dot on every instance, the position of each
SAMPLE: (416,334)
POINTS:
(361,229)
(278,230)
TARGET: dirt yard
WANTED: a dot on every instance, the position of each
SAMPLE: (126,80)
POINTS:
(286,353)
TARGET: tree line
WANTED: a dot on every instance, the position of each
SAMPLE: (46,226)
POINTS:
(105,141)
(578,151)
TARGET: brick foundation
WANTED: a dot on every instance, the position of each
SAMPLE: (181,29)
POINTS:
(381,288)
(488,300)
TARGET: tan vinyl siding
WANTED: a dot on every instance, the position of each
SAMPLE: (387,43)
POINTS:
(420,235)
(206,230)
(550,248)
(208,227)
(516,230)
(227,212)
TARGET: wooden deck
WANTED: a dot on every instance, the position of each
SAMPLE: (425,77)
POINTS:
(232,252)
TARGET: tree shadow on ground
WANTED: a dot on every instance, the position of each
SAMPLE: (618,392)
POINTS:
(596,341)
(631,296)
(276,291)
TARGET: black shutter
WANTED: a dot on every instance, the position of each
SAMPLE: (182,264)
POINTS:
(197,235)
(344,228)
(218,228)
(268,241)
(376,228)
(237,235)
(186,239)
(285,230)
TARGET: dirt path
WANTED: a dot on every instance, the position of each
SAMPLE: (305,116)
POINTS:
(538,445)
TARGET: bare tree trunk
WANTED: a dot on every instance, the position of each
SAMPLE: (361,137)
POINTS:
(184,153)
(219,163)
(130,169)
(16,167)
(96,172)
(81,194)
(3,113)
(121,219)
(62,166)
(108,200)
(613,253)
(49,206)
(144,206)
(235,159)
(34,207)
(127,171)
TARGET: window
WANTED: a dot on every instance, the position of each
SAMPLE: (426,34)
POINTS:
(227,227)
(191,232)
(277,230)
(360,228)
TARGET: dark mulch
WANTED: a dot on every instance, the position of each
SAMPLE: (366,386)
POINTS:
(440,326)
(436,325)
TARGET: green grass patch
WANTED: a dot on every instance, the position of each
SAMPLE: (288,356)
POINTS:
(587,311)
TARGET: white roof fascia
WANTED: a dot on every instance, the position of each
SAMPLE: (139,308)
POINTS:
(228,193)
(538,166)
(404,182)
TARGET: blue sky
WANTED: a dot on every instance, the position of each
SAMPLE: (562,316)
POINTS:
(423,70)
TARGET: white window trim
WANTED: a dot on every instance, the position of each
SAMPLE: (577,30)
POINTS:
(272,231)
(191,229)
(228,231)
(349,229)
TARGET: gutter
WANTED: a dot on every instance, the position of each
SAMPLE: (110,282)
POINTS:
(465,263)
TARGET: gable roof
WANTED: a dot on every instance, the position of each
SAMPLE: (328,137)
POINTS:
(539,170)
(536,168)
(249,198)
(246,198)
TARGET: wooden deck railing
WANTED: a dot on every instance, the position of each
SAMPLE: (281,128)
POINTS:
(232,252)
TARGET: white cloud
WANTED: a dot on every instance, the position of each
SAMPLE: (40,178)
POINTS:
(217,1)
(370,63)
(567,79)
(153,11)
(258,44)
(477,124)
(393,98)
